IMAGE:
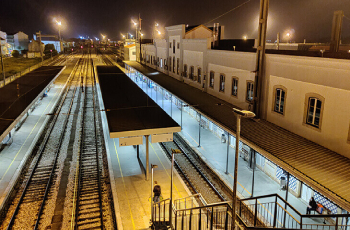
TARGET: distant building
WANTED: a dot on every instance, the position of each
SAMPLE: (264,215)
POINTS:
(34,49)
(130,52)
(18,41)
(50,39)
(4,47)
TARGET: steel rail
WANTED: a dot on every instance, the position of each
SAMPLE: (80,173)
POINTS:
(200,172)
(41,150)
(96,155)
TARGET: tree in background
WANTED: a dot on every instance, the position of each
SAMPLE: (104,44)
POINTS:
(50,48)
(15,54)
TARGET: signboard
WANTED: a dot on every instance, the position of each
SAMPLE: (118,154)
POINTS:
(127,141)
(166,137)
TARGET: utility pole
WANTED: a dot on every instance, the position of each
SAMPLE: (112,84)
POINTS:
(336,30)
(140,37)
(2,63)
(41,52)
(260,56)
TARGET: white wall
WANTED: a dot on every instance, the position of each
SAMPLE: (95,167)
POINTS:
(329,78)
(232,64)
(199,32)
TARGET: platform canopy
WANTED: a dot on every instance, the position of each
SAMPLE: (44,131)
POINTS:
(17,97)
(131,112)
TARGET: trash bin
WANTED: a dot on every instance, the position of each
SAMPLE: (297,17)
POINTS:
(283,183)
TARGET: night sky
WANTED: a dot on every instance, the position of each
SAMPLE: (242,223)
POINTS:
(306,19)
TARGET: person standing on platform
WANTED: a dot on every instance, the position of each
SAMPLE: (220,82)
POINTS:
(157,192)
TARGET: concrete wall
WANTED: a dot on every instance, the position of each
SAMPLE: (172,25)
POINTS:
(194,54)
(149,51)
(301,76)
(162,54)
(199,32)
(232,64)
(175,36)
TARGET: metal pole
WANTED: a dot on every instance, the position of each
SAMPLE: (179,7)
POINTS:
(171,105)
(147,157)
(181,115)
(254,164)
(2,63)
(238,131)
(151,193)
(171,188)
(41,51)
(228,150)
(199,130)
(285,206)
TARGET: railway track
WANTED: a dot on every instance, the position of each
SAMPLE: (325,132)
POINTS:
(37,182)
(89,205)
(85,181)
(196,173)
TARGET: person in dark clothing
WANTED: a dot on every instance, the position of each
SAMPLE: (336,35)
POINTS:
(157,192)
(312,206)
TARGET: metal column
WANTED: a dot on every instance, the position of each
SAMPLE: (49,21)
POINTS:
(181,114)
(147,157)
(228,150)
(199,130)
(253,165)
(285,206)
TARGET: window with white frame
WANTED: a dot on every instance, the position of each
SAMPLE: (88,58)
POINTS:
(314,112)
(211,79)
(161,63)
(199,74)
(191,72)
(234,87)
(279,100)
(222,83)
(177,65)
(250,91)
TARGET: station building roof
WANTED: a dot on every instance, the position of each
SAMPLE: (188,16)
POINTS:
(130,112)
(18,96)
(322,169)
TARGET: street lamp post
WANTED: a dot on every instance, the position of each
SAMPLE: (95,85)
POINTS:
(152,167)
(173,152)
(239,114)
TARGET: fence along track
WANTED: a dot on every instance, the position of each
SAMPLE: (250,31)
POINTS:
(88,210)
(38,182)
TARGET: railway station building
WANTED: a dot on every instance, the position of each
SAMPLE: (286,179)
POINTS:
(304,96)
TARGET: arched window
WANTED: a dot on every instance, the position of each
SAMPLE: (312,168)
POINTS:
(199,74)
(250,91)
(211,79)
(191,72)
(314,104)
(222,83)
(314,112)
(279,100)
(234,86)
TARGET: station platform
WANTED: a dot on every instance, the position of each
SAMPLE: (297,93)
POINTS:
(14,155)
(211,148)
(17,96)
(127,111)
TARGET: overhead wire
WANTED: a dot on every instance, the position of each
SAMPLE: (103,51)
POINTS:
(227,12)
